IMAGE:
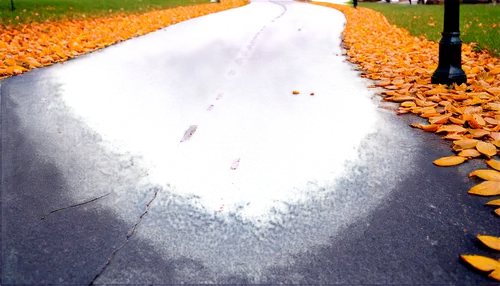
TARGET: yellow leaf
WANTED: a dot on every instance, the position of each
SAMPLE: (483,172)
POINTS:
(430,128)
(465,144)
(490,241)
(493,164)
(295,92)
(495,274)
(402,98)
(496,143)
(493,203)
(489,175)
(384,83)
(408,104)
(494,91)
(451,128)
(453,136)
(398,82)
(477,133)
(476,121)
(439,119)
(495,71)
(10,62)
(486,148)
(475,70)
(497,211)
(449,161)
(480,262)
(487,188)
(468,153)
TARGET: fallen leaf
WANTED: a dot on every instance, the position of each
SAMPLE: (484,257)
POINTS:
(402,98)
(489,175)
(449,161)
(478,133)
(295,92)
(476,121)
(427,128)
(451,128)
(469,153)
(453,136)
(487,188)
(465,144)
(495,274)
(439,119)
(457,121)
(493,203)
(481,263)
(490,241)
(486,148)
(493,164)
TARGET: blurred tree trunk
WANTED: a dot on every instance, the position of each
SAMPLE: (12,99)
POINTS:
(12,5)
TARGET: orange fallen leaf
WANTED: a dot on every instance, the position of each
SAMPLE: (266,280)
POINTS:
(10,62)
(495,274)
(439,119)
(451,128)
(449,161)
(295,92)
(493,203)
(478,133)
(487,188)
(486,148)
(430,128)
(476,121)
(481,263)
(465,144)
(490,241)
(493,164)
(489,175)
(469,153)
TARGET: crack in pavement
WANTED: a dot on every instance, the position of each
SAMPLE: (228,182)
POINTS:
(129,235)
(73,206)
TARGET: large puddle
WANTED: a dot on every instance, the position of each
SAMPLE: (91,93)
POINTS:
(229,159)
(284,142)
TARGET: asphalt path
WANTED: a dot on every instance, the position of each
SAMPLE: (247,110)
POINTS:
(74,211)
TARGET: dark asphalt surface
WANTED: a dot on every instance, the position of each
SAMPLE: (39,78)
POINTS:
(75,211)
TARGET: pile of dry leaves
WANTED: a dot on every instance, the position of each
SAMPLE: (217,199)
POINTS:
(467,114)
(40,44)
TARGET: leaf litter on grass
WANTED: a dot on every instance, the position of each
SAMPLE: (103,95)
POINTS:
(35,45)
(467,114)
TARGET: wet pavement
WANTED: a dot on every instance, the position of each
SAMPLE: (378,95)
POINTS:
(182,156)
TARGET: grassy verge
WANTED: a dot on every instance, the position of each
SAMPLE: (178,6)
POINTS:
(46,10)
(479,24)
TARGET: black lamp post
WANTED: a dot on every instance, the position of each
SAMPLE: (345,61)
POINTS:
(450,47)
(12,5)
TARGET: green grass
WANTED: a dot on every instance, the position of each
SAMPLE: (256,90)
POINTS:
(46,10)
(479,24)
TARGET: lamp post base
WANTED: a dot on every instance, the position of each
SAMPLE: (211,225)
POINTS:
(449,76)
(449,70)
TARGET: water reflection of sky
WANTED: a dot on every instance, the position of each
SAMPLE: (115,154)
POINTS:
(276,153)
